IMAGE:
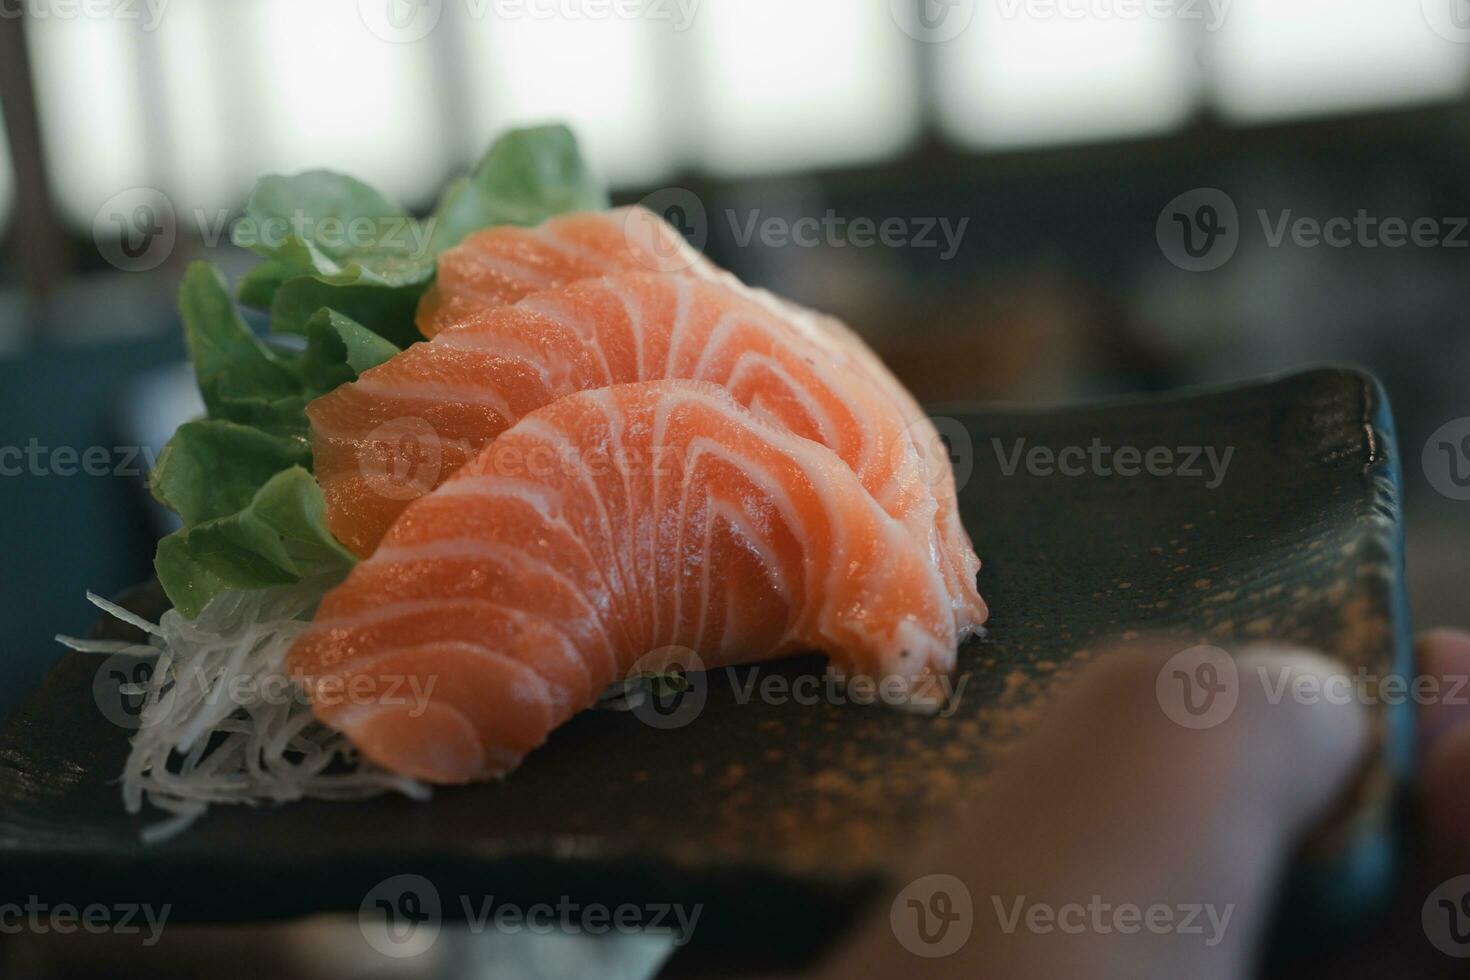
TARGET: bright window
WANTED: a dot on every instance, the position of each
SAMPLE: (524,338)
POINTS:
(1279,58)
(1059,71)
(329,92)
(7,179)
(91,106)
(203,104)
(796,83)
(599,73)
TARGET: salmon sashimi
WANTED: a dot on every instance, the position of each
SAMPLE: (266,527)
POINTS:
(605,525)
(499,266)
(452,396)
(840,342)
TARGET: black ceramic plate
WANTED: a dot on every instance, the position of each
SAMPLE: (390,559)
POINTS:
(781,817)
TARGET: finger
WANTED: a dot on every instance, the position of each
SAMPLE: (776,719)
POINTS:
(1116,841)
(1443,656)
(1445,748)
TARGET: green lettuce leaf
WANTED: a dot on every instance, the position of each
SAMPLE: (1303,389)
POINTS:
(333,241)
(338,349)
(213,467)
(386,312)
(343,268)
(279,538)
(240,479)
(240,378)
(527,176)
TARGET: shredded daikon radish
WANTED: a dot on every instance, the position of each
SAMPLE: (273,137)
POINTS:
(222,723)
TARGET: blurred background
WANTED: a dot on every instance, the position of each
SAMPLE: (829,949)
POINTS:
(1014,200)
(1024,157)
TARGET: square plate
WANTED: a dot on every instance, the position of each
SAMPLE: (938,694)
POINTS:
(783,817)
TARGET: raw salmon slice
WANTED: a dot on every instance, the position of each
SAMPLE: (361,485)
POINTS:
(407,424)
(499,266)
(643,517)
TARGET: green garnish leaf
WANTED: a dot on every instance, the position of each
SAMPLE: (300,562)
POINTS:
(279,538)
(336,227)
(344,268)
(338,349)
(527,176)
(213,467)
(239,377)
(333,241)
(387,312)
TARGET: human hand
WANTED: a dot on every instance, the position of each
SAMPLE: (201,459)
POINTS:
(1109,813)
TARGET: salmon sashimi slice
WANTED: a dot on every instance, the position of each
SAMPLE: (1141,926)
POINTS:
(840,342)
(641,517)
(499,266)
(452,396)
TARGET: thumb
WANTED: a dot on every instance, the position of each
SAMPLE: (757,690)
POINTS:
(1126,837)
